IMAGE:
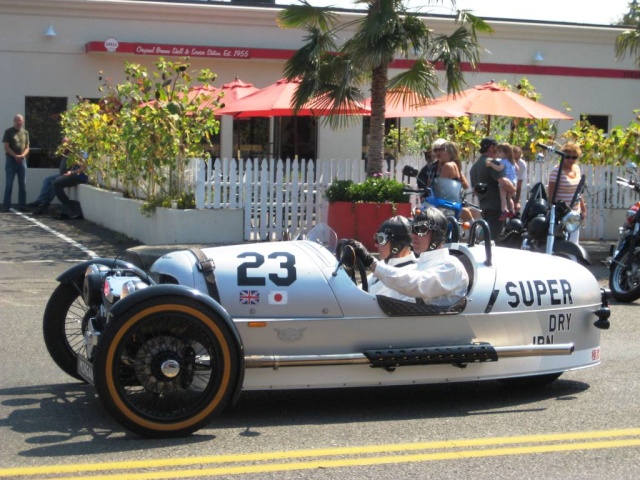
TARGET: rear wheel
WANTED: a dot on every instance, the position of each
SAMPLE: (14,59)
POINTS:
(624,276)
(167,367)
(64,323)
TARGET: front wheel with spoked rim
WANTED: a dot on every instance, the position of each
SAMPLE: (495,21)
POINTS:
(624,275)
(167,366)
(64,324)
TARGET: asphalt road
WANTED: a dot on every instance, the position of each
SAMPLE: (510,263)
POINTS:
(585,425)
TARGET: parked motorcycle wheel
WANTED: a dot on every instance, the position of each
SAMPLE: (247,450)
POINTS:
(624,281)
(64,323)
(166,367)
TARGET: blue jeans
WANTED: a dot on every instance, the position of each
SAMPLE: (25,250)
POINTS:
(63,181)
(13,168)
(47,194)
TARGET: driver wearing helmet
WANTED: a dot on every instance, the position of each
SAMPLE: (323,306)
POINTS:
(393,240)
(438,278)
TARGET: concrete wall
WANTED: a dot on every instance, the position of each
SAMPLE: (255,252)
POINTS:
(163,227)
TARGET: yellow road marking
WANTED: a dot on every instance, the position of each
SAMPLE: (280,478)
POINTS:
(346,451)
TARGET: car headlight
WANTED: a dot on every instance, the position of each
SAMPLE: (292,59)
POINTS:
(131,286)
(571,221)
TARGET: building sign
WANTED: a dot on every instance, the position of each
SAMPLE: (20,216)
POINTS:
(111,45)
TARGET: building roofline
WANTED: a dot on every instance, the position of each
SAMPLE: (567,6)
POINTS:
(266,5)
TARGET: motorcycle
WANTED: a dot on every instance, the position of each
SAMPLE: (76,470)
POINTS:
(545,225)
(624,267)
(445,194)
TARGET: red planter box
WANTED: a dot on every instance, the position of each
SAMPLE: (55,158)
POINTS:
(361,220)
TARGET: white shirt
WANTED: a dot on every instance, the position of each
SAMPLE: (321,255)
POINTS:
(438,278)
(377,287)
(522,170)
(522,176)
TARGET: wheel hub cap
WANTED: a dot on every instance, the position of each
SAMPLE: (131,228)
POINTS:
(170,368)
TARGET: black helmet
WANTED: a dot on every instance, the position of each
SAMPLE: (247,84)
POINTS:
(430,220)
(396,230)
(538,227)
(538,207)
(513,225)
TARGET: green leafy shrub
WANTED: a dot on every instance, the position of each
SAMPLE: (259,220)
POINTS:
(142,132)
(373,189)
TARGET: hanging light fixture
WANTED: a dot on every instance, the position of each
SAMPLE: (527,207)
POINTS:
(537,57)
(50,31)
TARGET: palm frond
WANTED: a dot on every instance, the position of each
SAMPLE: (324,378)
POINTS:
(628,42)
(306,15)
(452,50)
(414,87)
(307,59)
(476,24)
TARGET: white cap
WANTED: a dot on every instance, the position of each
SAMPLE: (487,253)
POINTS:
(438,142)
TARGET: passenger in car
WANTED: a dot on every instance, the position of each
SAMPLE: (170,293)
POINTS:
(393,240)
(439,278)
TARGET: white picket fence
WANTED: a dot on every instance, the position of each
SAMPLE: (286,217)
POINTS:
(282,198)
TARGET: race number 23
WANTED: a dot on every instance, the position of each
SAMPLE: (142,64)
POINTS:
(283,277)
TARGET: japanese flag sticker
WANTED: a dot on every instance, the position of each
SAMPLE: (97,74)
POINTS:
(278,297)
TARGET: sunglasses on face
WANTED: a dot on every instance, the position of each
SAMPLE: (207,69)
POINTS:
(436,150)
(421,229)
(571,157)
(380,238)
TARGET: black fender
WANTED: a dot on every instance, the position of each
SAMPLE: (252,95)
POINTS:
(163,290)
(624,244)
(79,269)
(570,248)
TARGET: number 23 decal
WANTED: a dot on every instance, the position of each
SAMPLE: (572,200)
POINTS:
(283,278)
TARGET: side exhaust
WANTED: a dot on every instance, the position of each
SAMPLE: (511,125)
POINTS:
(395,357)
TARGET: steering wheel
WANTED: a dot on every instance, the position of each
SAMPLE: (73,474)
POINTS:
(349,261)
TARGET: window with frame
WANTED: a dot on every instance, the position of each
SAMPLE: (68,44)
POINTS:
(601,122)
(42,121)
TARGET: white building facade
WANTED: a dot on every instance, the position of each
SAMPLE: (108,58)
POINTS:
(55,49)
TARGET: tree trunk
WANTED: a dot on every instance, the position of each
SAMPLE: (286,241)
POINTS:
(375,155)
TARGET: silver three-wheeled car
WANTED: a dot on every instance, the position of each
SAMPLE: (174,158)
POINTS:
(169,349)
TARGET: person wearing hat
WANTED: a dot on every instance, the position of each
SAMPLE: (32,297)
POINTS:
(438,278)
(430,170)
(393,240)
(489,198)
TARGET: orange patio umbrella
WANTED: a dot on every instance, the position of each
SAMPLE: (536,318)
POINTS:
(397,107)
(233,91)
(492,99)
(276,100)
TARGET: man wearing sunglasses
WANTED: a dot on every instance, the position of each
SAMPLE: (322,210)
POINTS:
(438,278)
(393,240)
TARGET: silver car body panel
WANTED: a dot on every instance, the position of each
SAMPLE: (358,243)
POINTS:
(286,303)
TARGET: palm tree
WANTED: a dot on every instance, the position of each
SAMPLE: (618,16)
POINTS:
(335,75)
(629,40)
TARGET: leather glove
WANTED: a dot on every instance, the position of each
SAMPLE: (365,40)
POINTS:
(362,253)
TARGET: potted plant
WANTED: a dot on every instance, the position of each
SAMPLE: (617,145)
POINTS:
(356,210)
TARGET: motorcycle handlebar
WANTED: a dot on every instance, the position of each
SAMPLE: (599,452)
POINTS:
(421,191)
(549,148)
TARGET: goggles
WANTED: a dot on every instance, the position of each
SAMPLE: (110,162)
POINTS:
(423,227)
(380,238)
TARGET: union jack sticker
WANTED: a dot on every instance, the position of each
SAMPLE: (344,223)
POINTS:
(249,297)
